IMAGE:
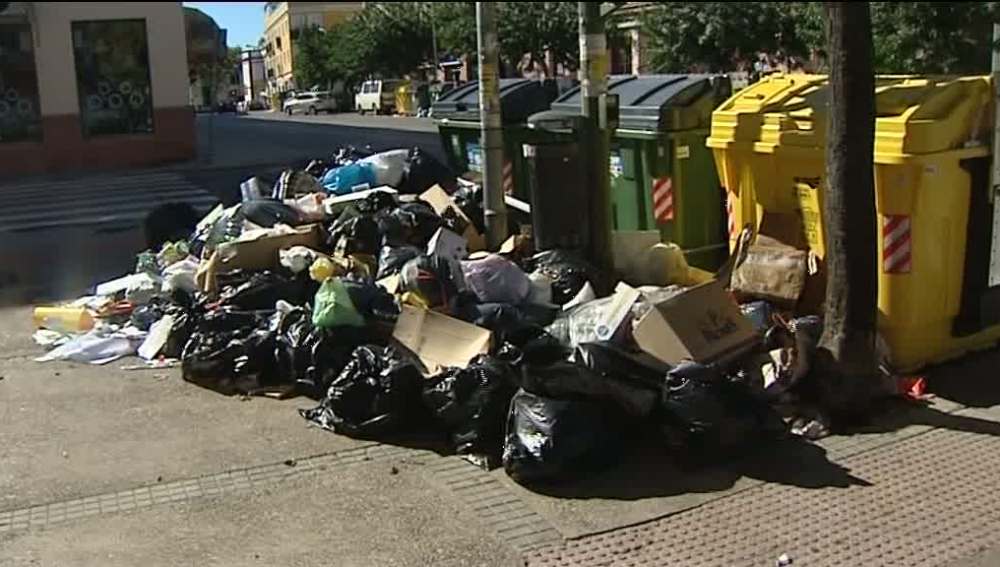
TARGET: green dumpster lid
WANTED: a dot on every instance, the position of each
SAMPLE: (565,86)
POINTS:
(660,102)
(519,98)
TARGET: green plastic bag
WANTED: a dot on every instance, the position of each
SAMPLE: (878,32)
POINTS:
(334,307)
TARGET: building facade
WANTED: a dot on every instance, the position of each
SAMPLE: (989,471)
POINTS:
(93,85)
(212,78)
(282,22)
(253,78)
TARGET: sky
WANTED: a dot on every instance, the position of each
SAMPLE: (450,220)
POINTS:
(243,20)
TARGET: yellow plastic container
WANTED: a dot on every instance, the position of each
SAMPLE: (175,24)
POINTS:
(931,169)
(404,99)
(63,319)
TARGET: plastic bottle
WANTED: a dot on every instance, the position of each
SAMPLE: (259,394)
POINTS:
(63,319)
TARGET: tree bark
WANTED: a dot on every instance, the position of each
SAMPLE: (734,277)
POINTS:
(849,208)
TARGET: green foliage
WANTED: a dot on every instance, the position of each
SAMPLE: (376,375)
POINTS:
(719,36)
(932,37)
(455,24)
(909,37)
(397,36)
(313,58)
(531,28)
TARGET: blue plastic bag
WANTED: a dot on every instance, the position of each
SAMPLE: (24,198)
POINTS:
(342,180)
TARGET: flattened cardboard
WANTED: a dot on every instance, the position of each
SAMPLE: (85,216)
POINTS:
(702,324)
(440,201)
(438,340)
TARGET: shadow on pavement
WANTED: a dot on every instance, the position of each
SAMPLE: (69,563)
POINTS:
(650,471)
(971,381)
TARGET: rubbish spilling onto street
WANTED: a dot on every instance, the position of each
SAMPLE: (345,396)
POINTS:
(363,282)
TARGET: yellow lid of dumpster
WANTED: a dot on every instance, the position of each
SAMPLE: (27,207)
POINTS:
(914,114)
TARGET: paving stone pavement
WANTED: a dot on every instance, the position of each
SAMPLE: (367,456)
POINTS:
(927,500)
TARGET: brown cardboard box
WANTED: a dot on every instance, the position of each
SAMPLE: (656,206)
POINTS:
(439,340)
(440,201)
(702,324)
(257,254)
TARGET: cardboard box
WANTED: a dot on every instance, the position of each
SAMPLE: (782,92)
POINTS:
(438,340)
(702,324)
(440,201)
(262,253)
(257,254)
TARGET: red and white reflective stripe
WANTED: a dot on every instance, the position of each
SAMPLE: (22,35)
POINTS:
(896,244)
(663,199)
(730,216)
(508,177)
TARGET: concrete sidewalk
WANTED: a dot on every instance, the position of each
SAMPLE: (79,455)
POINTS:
(103,466)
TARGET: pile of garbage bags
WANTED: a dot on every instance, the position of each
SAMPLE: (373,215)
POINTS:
(363,282)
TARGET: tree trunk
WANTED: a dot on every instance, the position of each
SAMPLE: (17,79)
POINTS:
(849,208)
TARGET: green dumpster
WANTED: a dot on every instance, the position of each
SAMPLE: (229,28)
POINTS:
(457,115)
(662,175)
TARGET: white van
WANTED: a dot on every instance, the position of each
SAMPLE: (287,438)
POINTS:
(377,95)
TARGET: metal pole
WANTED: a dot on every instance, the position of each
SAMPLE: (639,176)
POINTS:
(597,137)
(494,207)
(434,45)
(994,275)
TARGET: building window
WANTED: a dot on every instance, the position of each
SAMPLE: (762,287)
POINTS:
(112,77)
(20,118)
(277,42)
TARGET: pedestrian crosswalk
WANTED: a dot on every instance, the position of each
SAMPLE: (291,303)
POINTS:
(119,200)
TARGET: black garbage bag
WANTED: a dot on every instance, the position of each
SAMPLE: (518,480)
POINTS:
(263,289)
(224,356)
(515,324)
(568,272)
(355,235)
(392,259)
(377,393)
(372,301)
(617,363)
(267,213)
(469,199)
(564,379)
(410,223)
(423,171)
(186,313)
(375,202)
(472,403)
(710,417)
(430,277)
(294,343)
(549,440)
(540,349)
(330,350)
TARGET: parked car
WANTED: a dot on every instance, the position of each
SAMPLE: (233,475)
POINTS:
(377,95)
(226,106)
(310,103)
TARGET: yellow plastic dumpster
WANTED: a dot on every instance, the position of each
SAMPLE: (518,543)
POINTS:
(935,217)
(404,99)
